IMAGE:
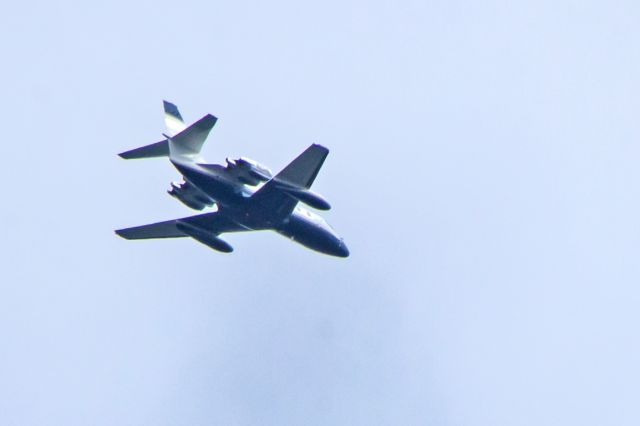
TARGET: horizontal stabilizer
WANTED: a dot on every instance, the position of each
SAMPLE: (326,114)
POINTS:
(158,149)
(189,142)
(181,140)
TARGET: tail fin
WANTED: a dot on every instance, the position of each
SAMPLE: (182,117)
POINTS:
(172,118)
(180,140)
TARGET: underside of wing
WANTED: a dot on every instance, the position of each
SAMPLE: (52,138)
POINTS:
(302,171)
(210,223)
(274,199)
(165,229)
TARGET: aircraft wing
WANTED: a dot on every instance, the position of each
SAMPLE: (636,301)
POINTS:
(300,173)
(213,223)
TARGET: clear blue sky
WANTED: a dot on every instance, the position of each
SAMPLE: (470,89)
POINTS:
(484,171)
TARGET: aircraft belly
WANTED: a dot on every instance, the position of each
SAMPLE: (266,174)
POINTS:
(221,191)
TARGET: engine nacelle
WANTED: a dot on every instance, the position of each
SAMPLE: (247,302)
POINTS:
(205,237)
(248,171)
(190,196)
(306,196)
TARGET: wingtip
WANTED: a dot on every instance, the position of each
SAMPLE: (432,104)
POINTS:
(211,117)
(207,122)
(322,147)
(121,233)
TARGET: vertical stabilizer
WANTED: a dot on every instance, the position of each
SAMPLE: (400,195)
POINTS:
(172,119)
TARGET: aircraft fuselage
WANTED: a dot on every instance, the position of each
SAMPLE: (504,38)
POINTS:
(234,201)
(247,195)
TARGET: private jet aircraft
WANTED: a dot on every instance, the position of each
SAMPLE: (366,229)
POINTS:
(245,194)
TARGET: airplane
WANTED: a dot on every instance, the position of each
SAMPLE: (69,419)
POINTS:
(246,195)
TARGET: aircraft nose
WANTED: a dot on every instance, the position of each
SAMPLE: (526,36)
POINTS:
(343,251)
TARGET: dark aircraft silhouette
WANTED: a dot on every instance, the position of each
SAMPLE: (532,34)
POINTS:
(247,196)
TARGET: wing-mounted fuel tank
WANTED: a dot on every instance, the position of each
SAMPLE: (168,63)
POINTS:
(247,171)
(304,195)
(190,195)
(205,237)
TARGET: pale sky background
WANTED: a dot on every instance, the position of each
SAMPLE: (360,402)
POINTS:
(484,171)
